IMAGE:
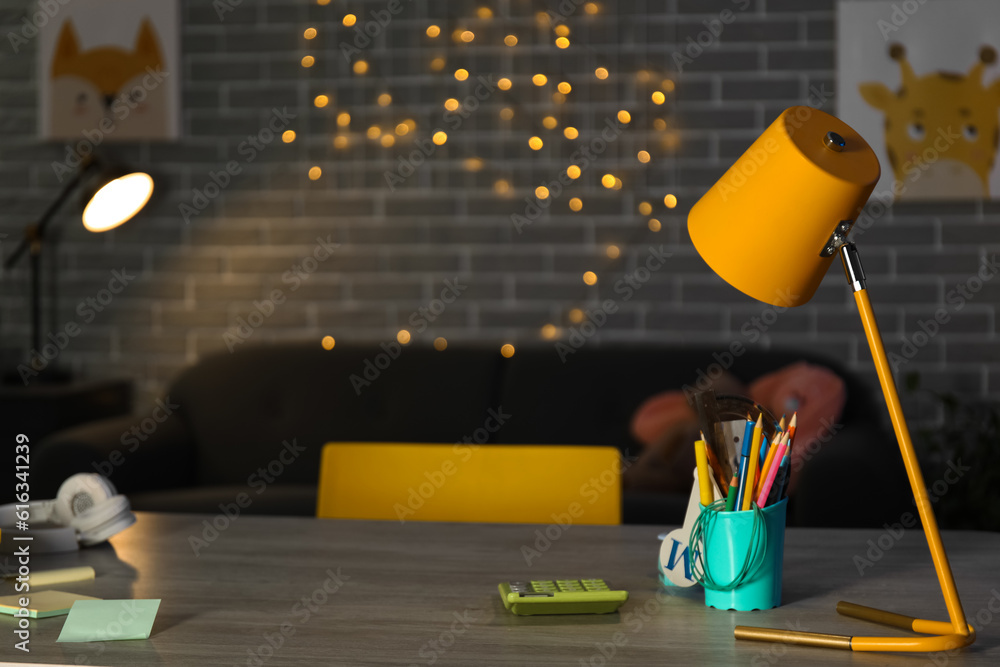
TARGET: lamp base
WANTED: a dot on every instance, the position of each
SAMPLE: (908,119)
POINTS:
(942,636)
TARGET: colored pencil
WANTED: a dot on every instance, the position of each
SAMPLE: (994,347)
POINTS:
(744,462)
(731,496)
(765,469)
(777,457)
(752,464)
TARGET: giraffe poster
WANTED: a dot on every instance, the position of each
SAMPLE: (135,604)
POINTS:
(108,71)
(918,79)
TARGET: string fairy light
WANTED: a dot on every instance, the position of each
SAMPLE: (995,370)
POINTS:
(648,96)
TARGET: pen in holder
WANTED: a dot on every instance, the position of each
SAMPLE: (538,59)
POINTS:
(737,556)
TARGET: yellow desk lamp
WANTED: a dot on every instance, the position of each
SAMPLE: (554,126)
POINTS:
(800,187)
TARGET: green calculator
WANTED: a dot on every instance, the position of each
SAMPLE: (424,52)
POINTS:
(562,596)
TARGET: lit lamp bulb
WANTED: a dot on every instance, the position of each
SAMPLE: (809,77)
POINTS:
(117,201)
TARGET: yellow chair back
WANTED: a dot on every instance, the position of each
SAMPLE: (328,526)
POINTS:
(489,483)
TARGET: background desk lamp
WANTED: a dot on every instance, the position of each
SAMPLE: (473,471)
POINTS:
(771,227)
(112,195)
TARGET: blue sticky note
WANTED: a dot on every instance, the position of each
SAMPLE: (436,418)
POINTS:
(109,620)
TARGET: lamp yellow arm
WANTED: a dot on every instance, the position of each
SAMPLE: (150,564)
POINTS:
(938,555)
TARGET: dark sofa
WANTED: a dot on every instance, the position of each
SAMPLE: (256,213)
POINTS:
(233,416)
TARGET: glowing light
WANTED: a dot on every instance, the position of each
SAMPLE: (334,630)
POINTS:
(439,138)
(433,31)
(575,204)
(645,208)
(543,18)
(558,97)
(564,87)
(315,173)
(659,124)
(549,122)
(618,183)
(328,342)
(562,30)
(473,164)
(322,2)
(484,13)
(343,119)
(437,64)
(501,187)
(308,61)
(542,192)
(506,113)
(440,344)
(613,251)
(451,104)
(402,129)
(591,8)
(562,42)
(670,201)
(658,97)
(467,36)
(576,316)
(539,79)
(624,116)
(510,40)
(310,33)
(573,171)
(403,336)
(288,136)
(590,278)
(608,180)
(535,143)
(571,133)
(350,19)
(388,140)
(644,76)
(461,74)
(361,67)
(116,202)
(601,73)
(549,331)
(668,85)
(341,141)
(654,225)
(507,350)
(321,101)
(410,123)
(374,132)
(643,156)
(384,100)
(504,84)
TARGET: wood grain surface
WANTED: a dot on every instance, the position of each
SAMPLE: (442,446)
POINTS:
(385,593)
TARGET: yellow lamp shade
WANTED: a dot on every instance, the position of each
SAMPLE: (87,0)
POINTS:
(766,226)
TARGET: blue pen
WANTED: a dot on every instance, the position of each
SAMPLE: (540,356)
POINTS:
(744,467)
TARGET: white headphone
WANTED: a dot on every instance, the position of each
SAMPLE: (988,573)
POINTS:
(86,511)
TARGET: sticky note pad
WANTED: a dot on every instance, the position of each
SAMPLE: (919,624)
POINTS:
(109,620)
(41,605)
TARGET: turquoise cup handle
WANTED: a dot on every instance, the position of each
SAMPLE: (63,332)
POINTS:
(727,540)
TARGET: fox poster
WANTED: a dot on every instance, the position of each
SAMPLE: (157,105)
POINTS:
(109,70)
(919,81)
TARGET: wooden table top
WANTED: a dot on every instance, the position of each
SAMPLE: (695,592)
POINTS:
(294,591)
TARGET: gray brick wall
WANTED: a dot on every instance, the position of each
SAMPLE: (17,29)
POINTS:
(396,247)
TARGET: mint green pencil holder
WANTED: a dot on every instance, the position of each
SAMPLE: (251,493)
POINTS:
(741,563)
